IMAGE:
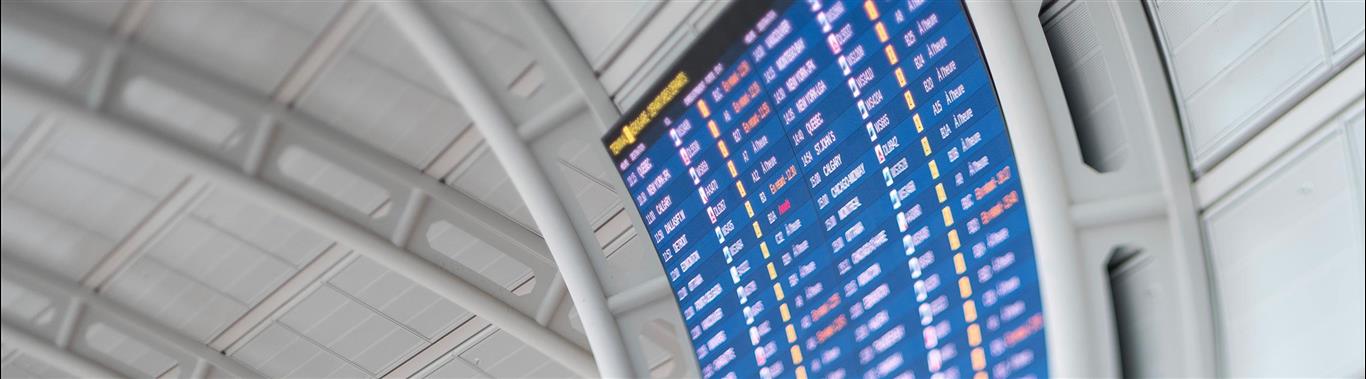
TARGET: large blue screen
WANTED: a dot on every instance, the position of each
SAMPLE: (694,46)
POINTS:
(831,189)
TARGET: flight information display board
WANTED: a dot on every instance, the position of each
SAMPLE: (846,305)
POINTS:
(832,191)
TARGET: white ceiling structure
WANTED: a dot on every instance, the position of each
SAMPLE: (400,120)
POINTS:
(329,189)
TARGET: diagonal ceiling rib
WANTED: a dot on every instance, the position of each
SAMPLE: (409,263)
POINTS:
(365,242)
(151,332)
(550,32)
(530,180)
(355,97)
(48,352)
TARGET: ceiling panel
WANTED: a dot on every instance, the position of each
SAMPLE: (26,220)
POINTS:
(486,180)
(379,42)
(85,195)
(220,268)
(600,28)
(20,365)
(501,355)
(351,329)
(283,353)
(383,109)
(115,348)
(458,247)
(194,308)
(97,14)
(255,45)
(41,57)
(399,298)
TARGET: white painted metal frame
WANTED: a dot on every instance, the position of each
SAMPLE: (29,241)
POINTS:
(192,357)
(375,246)
(529,177)
(51,354)
(478,219)
(1146,204)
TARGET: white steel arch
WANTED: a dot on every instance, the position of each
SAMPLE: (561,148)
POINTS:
(530,179)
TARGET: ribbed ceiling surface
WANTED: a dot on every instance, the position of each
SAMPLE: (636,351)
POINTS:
(149,146)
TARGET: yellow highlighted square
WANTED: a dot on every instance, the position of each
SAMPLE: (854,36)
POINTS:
(959,264)
(702,106)
(881,32)
(786,314)
(715,132)
(939,190)
(791,333)
(733,172)
(748,208)
(758,232)
(891,54)
(980,375)
(964,287)
(801,372)
(979,359)
(925,144)
(871,8)
(918,126)
(970,311)
(974,335)
(953,240)
(934,170)
(948,216)
(796,355)
(725,152)
(910,104)
(778,291)
(901,81)
(763,246)
(773,272)
(740,186)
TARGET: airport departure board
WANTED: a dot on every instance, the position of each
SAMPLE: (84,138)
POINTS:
(832,191)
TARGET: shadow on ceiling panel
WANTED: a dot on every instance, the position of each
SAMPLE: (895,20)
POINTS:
(38,46)
(255,44)
(77,197)
(98,14)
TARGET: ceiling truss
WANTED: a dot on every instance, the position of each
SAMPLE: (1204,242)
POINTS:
(577,255)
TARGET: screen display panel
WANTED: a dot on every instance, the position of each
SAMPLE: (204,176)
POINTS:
(832,191)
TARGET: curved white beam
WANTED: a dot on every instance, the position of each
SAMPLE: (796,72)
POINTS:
(364,242)
(639,295)
(604,335)
(149,331)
